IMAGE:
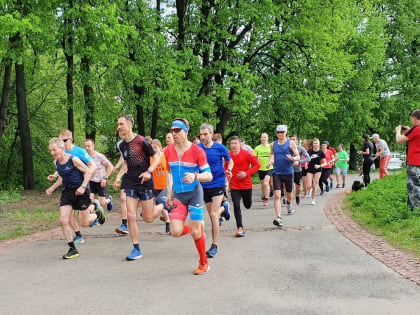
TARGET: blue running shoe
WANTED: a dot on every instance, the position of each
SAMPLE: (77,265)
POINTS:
(122,229)
(78,239)
(212,251)
(226,213)
(100,213)
(94,223)
(110,205)
(135,254)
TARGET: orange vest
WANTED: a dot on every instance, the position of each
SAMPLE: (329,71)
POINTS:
(159,173)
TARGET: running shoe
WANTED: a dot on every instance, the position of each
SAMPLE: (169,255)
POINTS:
(72,253)
(342,186)
(313,202)
(226,212)
(135,254)
(78,239)
(110,205)
(308,195)
(240,232)
(265,202)
(331,185)
(162,218)
(297,200)
(94,223)
(202,269)
(337,186)
(290,210)
(284,201)
(220,221)
(122,229)
(212,251)
(327,189)
(100,213)
(321,193)
(277,222)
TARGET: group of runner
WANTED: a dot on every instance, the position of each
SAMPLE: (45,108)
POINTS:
(181,178)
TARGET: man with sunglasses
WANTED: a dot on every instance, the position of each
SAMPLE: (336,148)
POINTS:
(83,155)
(187,166)
(283,155)
(136,173)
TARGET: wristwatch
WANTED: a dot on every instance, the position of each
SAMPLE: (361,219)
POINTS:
(84,186)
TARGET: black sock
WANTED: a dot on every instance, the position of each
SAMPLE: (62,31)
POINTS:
(136,246)
(167,223)
(78,233)
(214,245)
(124,221)
(71,245)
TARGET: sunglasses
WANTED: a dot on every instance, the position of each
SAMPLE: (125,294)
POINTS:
(281,131)
(65,140)
(175,130)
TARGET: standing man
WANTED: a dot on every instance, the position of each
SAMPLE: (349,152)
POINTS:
(241,182)
(262,152)
(383,152)
(283,154)
(187,167)
(215,190)
(74,175)
(367,159)
(138,181)
(413,158)
(297,167)
(99,179)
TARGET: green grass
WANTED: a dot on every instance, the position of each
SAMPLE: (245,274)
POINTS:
(20,223)
(382,209)
(9,196)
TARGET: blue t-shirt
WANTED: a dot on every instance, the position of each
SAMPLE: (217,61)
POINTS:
(282,164)
(80,153)
(215,156)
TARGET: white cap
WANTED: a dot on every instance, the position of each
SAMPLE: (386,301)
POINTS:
(375,136)
(281,128)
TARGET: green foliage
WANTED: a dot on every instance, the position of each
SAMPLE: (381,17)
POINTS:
(9,196)
(383,208)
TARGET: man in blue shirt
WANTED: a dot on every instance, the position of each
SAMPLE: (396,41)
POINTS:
(214,191)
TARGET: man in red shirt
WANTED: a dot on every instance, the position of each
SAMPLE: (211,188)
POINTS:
(240,182)
(413,158)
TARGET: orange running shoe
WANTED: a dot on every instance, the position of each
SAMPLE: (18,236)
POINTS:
(202,269)
(240,232)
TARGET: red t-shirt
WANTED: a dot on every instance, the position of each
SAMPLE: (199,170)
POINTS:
(413,157)
(328,156)
(242,162)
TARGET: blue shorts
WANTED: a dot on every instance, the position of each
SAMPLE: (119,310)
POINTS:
(188,202)
(139,194)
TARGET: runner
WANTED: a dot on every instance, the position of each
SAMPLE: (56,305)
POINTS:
(341,165)
(123,228)
(384,154)
(262,152)
(306,189)
(241,182)
(326,169)
(214,191)
(74,175)
(315,166)
(187,167)
(298,167)
(99,179)
(169,139)
(283,154)
(245,146)
(367,159)
(218,138)
(138,181)
(334,158)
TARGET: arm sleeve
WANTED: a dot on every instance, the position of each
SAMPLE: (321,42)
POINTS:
(306,157)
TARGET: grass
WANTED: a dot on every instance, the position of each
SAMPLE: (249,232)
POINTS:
(382,209)
(9,196)
(20,223)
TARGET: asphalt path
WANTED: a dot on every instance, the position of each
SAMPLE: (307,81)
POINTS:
(305,268)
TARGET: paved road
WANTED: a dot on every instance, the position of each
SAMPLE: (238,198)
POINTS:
(306,268)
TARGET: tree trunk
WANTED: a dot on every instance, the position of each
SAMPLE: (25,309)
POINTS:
(5,97)
(224,113)
(139,90)
(24,130)
(181,9)
(353,157)
(155,117)
(90,128)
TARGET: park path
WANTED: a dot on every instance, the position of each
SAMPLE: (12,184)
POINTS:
(308,267)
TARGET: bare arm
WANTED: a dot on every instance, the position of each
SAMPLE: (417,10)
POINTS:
(398,136)
(122,171)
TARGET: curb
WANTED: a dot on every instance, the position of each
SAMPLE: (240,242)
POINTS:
(393,258)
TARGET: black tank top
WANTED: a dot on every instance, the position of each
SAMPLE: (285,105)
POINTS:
(72,177)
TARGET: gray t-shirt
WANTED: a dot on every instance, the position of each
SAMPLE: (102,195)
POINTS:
(304,157)
(384,145)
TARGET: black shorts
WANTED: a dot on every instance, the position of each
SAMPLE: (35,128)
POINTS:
(314,170)
(280,180)
(297,178)
(95,188)
(78,202)
(156,192)
(263,174)
(209,193)
(304,171)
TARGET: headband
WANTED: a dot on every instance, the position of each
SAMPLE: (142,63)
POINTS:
(180,124)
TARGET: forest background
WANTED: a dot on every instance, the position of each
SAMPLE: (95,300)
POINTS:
(328,69)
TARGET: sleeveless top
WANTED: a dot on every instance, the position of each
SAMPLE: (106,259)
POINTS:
(72,177)
(282,164)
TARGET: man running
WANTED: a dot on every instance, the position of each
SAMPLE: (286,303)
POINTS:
(215,190)
(262,152)
(138,181)
(99,179)
(297,167)
(283,154)
(241,182)
(187,167)
(74,175)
